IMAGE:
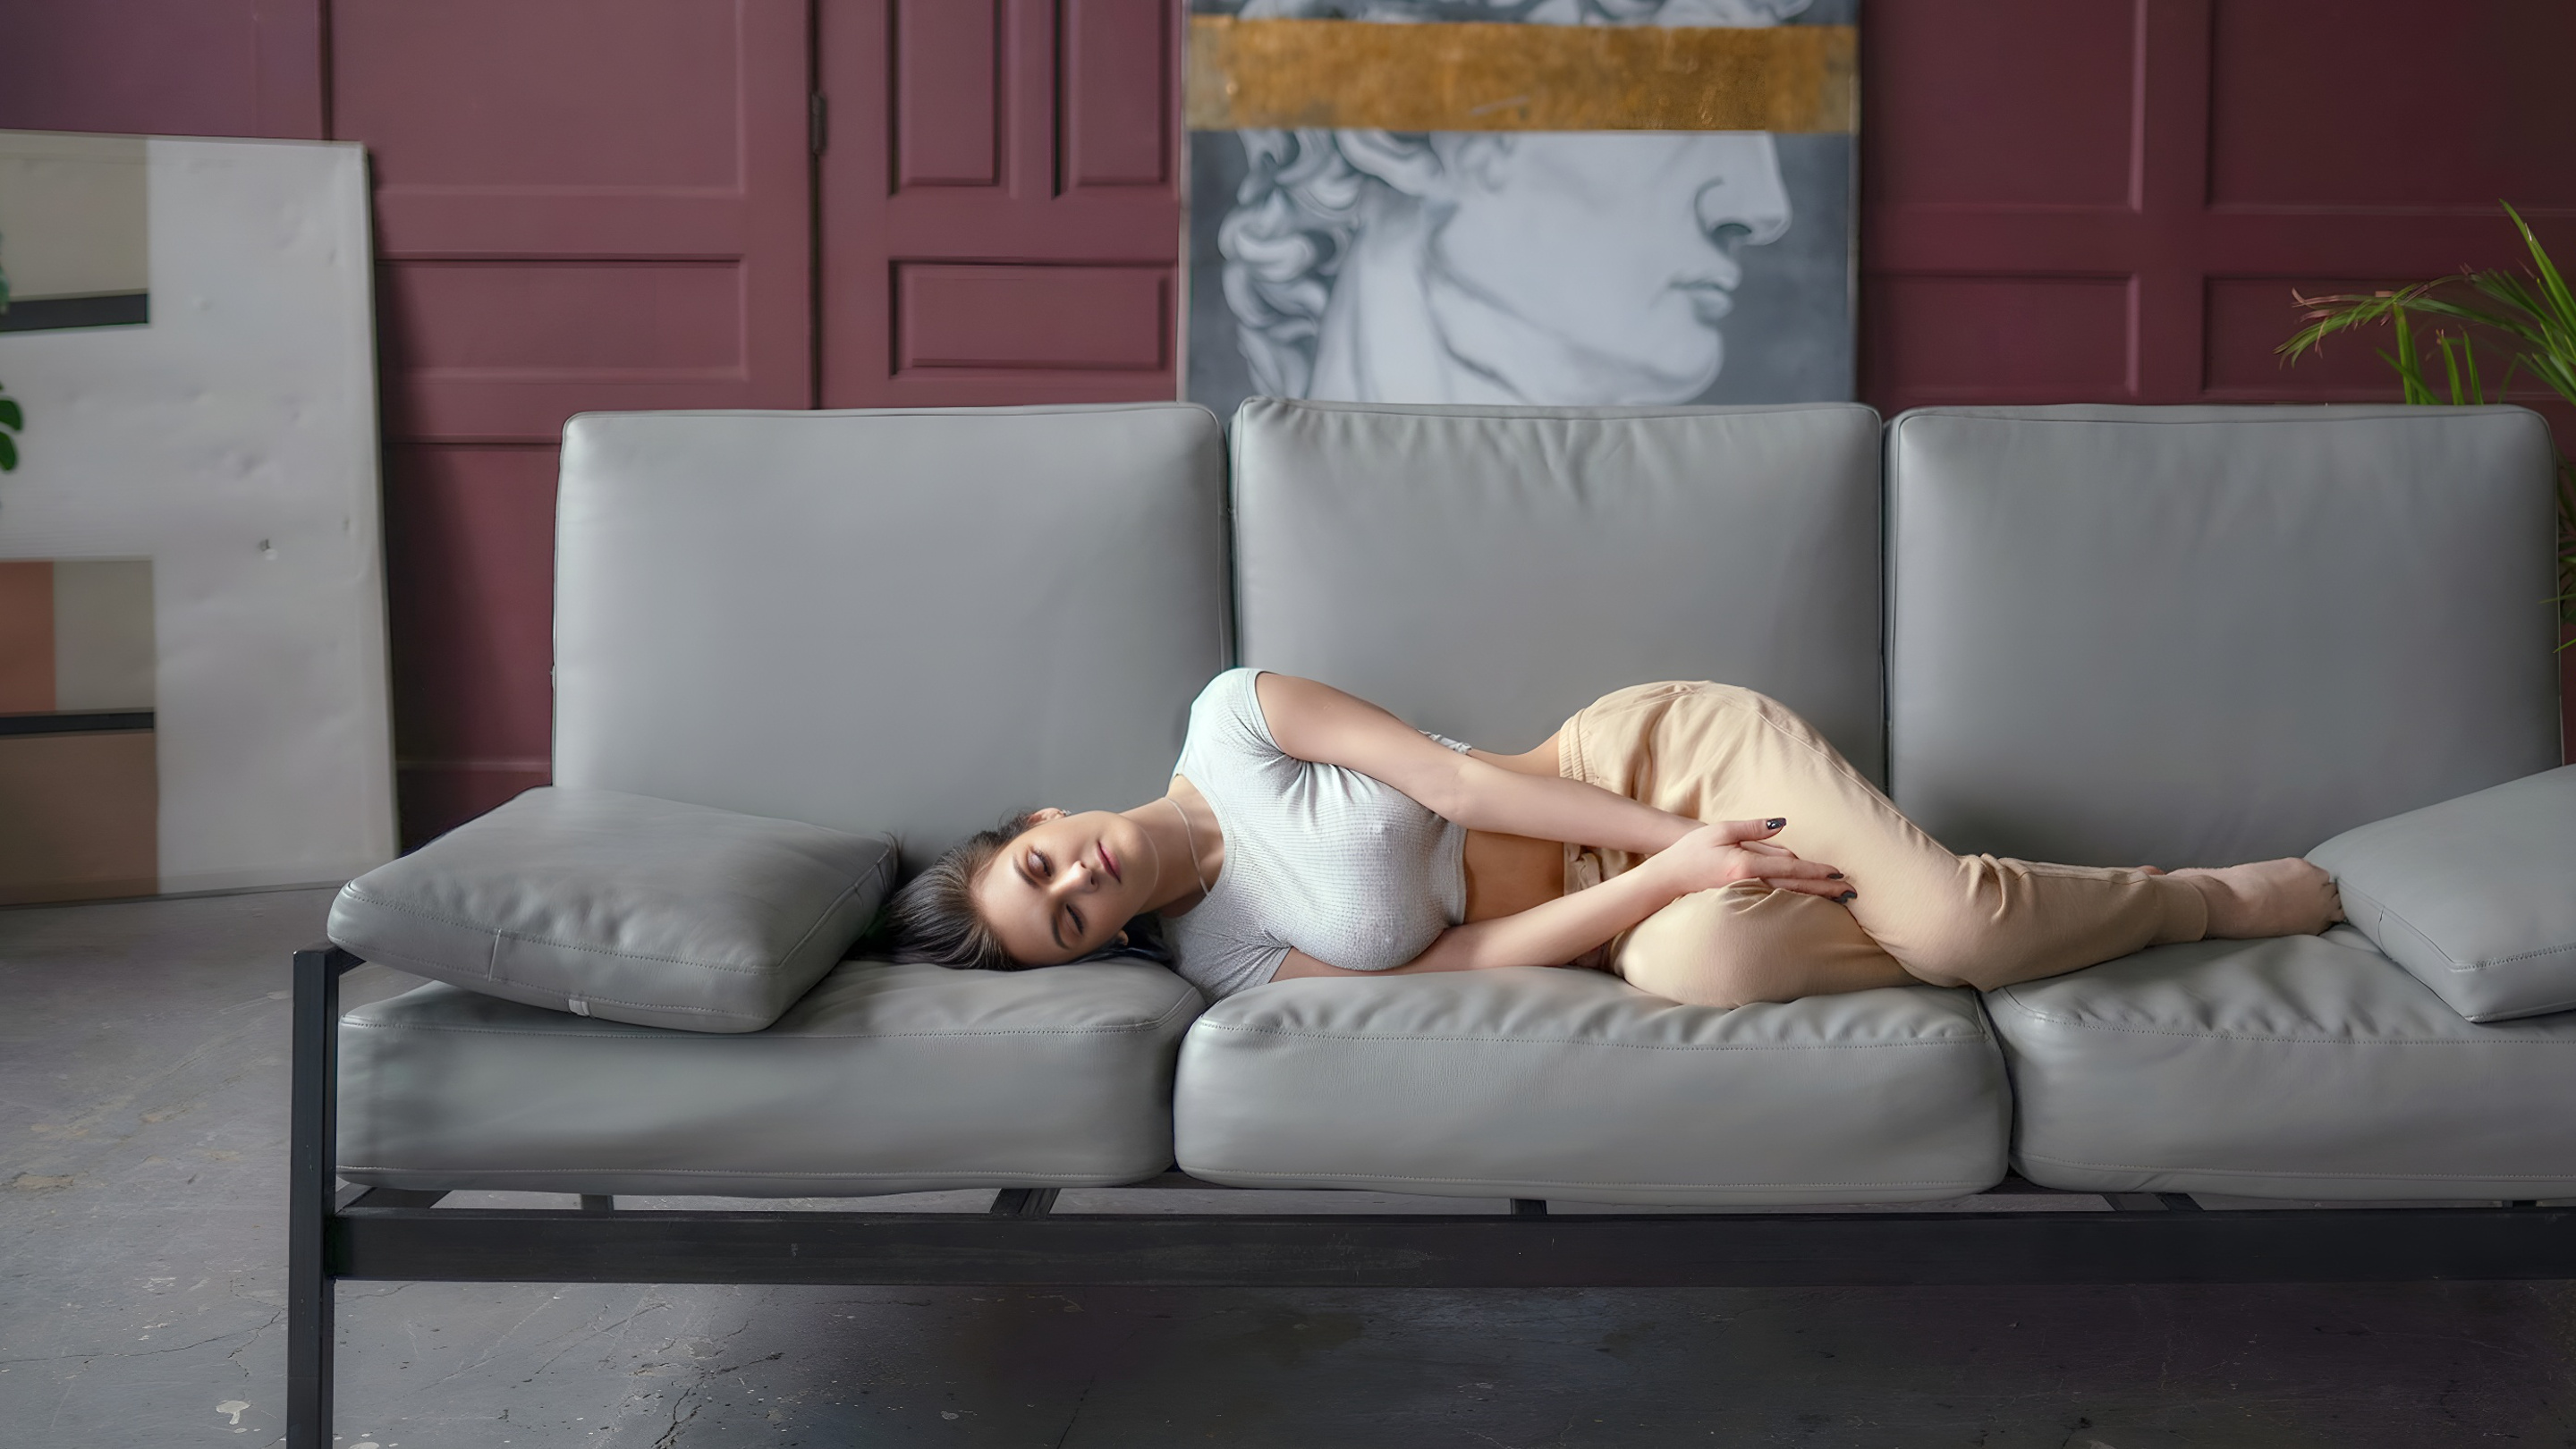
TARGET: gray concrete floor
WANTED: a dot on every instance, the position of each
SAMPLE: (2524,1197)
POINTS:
(142,1291)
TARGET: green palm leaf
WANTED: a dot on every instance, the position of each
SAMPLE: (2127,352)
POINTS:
(2531,315)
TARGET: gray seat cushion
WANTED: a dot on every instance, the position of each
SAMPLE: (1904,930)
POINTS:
(2195,636)
(2301,1067)
(907,622)
(2476,896)
(882,1079)
(623,907)
(1486,572)
(1572,1084)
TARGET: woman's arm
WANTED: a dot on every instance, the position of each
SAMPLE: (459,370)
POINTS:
(1555,932)
(1320,723)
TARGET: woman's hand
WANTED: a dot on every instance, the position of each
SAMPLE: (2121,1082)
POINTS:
(1733,850)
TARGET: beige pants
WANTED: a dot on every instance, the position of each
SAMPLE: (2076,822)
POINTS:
(1922,914)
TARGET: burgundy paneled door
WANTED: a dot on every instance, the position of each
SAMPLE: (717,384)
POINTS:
(2111,201)
(1000,201)
(580,204)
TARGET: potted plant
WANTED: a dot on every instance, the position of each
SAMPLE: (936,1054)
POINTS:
(2529,314)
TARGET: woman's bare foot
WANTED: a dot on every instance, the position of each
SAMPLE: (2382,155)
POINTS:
(2287,897)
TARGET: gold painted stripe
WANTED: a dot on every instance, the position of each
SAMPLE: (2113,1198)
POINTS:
(1476,76)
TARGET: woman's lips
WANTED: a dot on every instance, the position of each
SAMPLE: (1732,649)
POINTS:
(1109,861)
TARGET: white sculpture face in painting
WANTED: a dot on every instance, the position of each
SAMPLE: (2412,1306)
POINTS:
(1499,267)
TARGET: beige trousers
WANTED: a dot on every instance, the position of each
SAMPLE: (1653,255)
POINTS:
(1922,914)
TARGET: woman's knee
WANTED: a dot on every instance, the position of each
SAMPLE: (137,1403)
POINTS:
(1968,929)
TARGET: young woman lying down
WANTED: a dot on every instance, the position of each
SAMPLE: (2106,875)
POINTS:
(1700,840)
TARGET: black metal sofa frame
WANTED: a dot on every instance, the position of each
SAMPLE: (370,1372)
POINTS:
(381,1233)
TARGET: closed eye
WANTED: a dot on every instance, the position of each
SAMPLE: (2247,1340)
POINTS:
(1032,868)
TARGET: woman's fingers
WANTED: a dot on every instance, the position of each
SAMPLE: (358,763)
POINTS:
(1738,832)
(1792,867)
(1813,877)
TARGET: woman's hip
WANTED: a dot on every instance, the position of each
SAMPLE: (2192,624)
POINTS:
(1672,738)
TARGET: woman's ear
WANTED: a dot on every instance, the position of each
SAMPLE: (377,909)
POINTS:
(1045,813)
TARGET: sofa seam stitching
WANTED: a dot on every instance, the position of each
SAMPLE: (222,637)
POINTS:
(2081,1025)
(2390,913)
(690,1172)
(492,977)
(1579,1041)
(1124,1029)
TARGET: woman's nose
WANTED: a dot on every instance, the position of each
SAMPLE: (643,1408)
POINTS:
(1074,879)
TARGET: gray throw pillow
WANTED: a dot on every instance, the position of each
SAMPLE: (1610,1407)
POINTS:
(2476,896)
(623,907)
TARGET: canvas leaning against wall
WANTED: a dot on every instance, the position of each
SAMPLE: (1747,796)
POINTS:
(192,636)
(1521,201)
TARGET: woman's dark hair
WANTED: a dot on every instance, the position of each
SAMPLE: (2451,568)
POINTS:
(933,919)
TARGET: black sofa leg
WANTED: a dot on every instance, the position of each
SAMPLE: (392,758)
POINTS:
(312,1155)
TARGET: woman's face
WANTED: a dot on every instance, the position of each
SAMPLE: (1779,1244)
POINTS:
(1067,885)
(1617,246)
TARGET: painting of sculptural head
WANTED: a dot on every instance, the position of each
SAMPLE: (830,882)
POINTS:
(1492,257)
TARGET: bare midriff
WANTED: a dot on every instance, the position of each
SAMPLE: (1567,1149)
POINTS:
(1508,874)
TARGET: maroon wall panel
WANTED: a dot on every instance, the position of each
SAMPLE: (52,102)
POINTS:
(999,201)
(2210,155)
(947,91)
(580,204)
(1035,318)
(469,531)
(1114,119)
(163,67)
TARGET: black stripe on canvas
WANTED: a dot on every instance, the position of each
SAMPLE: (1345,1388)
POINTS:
(53,314)
(75,722)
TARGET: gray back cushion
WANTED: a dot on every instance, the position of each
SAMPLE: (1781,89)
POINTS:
(886,621)
(1486,572)
(2183,636)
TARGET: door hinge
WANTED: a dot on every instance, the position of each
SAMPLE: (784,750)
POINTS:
(814,122)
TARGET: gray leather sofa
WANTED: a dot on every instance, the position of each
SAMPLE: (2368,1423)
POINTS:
(2089,634)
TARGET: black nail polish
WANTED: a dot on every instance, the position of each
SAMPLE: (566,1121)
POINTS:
(1775,822)
(1848,896)
(1837,875)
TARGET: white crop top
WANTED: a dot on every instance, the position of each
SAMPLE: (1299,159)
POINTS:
(1318,858)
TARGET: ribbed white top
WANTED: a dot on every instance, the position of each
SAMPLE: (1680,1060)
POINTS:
(1318,858)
